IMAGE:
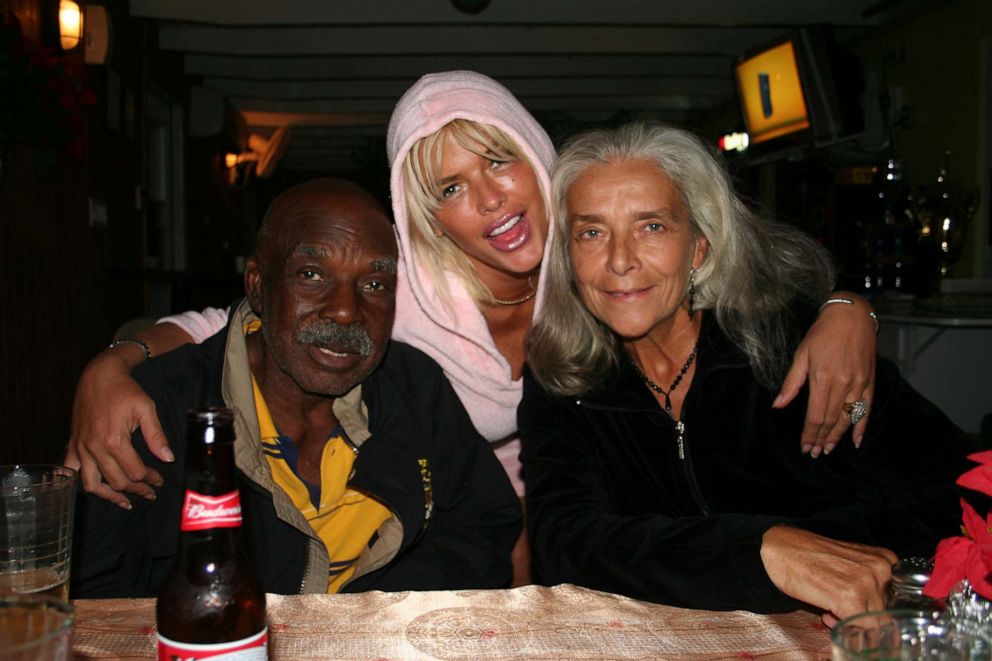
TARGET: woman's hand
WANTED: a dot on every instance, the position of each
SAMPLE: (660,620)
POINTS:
(838,355)
(108,406)
(842,578)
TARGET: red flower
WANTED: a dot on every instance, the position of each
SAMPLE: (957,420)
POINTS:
(967,557)
(980,477)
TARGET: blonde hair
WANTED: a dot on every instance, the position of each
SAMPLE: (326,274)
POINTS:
(421,174)
(754,270)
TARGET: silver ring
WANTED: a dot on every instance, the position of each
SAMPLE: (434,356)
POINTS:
(856,410)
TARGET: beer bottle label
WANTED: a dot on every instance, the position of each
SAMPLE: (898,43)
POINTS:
(201,512)
(253,648)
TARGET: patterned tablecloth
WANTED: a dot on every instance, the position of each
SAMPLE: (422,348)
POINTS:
(560,623)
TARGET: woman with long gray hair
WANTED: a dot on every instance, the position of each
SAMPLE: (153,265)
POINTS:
(655,463)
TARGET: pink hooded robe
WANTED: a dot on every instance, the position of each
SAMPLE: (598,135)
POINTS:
(459,340)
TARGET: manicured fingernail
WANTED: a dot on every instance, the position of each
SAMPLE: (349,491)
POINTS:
(126,505)
(829,448)
(857,441)
(167,455)
(807,447)
(150,496)
(778,400)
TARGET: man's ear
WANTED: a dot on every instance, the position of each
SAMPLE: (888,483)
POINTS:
(253,285)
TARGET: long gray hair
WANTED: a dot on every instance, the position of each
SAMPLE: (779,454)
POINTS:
(754,268)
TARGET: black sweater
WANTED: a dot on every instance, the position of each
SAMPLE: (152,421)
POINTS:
(611,506)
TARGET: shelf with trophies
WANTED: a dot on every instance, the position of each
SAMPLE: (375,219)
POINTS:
(937,328)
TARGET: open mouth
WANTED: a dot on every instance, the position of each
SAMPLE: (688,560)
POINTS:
(334,358)
(507,226)
(511,233)
(336,354)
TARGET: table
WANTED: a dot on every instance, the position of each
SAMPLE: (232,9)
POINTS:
(529,623)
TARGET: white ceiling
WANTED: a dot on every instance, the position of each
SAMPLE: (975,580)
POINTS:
(333,69)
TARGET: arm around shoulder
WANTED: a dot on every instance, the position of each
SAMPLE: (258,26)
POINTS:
(196,326)
(109,405)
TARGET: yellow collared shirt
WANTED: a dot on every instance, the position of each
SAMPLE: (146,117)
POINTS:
(344,519)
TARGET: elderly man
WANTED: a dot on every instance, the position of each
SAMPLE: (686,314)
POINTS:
(359,469)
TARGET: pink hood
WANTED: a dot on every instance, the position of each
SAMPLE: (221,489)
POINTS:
(459,342)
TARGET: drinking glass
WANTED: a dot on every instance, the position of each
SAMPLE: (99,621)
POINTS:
(905,635)
(36,509)
(34,627)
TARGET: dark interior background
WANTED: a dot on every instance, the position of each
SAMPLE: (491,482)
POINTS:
(90,239)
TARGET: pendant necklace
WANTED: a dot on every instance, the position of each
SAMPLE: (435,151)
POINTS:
(675,384)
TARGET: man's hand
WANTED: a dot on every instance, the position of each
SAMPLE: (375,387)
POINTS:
(108,406)
(842,578)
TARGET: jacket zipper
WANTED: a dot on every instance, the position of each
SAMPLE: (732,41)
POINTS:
(687,471)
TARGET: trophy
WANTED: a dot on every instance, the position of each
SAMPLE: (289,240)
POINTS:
(943,212)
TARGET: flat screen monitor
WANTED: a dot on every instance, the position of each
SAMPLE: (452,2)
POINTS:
(771,93)
(801,88)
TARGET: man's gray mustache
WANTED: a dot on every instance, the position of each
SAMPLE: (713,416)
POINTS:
(330,335)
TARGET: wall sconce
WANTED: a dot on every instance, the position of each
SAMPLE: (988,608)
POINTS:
(264,153)
(70,24)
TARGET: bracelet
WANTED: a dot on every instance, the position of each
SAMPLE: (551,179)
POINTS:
(847,301)
(133,340)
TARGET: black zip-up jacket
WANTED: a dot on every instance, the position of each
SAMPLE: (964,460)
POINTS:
(612,506)
(455,515)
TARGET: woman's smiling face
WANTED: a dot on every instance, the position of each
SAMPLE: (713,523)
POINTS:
(492,209)
(632,244)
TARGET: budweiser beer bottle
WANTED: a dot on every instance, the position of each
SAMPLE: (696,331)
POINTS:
(212,603)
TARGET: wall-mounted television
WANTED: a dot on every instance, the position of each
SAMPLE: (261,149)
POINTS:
(800,89)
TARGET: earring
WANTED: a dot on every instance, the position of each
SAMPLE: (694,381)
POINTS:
(692,292)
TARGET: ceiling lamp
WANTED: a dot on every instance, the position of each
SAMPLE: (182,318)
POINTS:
(70,24)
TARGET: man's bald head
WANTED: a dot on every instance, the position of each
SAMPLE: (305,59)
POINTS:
(320,198)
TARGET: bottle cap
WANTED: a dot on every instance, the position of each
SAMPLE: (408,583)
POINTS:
(910,575)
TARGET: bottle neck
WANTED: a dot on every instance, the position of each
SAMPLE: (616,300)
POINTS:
(211,501)
(210,465)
